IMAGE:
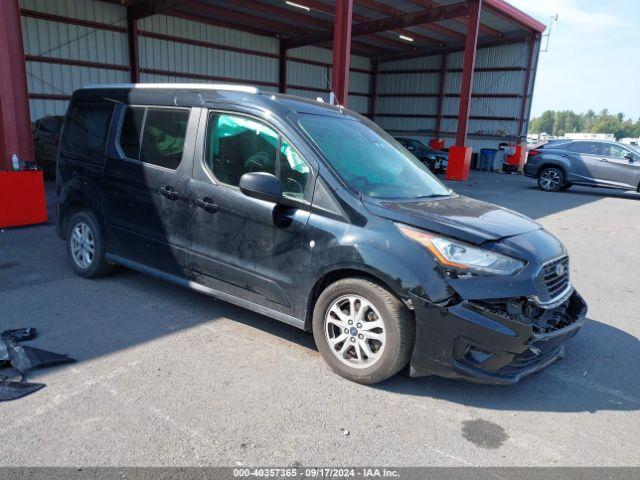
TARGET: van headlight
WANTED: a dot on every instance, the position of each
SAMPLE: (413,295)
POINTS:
(462,257)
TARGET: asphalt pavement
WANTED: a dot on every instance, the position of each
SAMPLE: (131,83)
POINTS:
(169,377)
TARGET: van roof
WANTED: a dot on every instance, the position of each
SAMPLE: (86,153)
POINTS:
(208,92)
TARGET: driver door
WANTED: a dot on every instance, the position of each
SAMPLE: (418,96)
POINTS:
(619,166)
(242,246)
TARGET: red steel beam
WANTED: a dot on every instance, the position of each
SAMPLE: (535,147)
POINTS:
(458,48)
(146,8)
(15,120)
(531,44)
(464,21)
(343,19)
(513,14)
(328,9)
(76,63)
(468,66)
(71,21)
(134,48)
(302,19)
(443,82)
(282,70)
(386,24)
(373,89)
(389,10)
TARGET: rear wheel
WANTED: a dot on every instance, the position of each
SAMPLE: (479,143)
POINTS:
(85,246)
(551,179)
(362,330)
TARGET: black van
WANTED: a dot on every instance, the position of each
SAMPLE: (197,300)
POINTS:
(312,215)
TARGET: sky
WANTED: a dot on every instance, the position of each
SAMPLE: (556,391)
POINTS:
(593,61)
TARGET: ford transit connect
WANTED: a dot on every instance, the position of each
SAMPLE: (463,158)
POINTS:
(313,215)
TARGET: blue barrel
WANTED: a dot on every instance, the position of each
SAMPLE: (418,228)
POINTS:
(486,159)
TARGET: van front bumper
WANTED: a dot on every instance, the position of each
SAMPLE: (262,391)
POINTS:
(471,341)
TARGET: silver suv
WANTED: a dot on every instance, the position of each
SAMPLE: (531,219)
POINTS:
(560,164)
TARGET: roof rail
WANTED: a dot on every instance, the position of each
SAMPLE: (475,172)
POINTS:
(177,86)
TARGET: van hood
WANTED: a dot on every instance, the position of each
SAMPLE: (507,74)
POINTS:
(459,217)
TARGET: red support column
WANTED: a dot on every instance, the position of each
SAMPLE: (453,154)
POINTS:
(443,83)
(460,154)
(134,48)
(22,198)
(373,89)
(282,70)
(341,50)
(15,120)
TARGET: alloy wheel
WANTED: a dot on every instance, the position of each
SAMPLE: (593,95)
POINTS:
(82,245)
(355,331)
(550,180)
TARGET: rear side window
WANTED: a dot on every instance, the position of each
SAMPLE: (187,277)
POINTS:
(154,135)
(587,148)
(131,132)
(163,137)
(89,126)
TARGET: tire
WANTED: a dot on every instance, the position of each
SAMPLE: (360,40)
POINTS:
(389,352)
(83,236)
(430,164)
(551,179)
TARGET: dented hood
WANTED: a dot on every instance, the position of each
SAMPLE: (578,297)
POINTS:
(456,216)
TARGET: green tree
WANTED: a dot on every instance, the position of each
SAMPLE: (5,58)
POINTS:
(559,123)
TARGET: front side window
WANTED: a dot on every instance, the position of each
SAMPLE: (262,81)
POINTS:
(89,126)
(370,161)
(237,145)
(616,151)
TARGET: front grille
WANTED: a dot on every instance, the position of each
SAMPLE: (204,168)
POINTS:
(549,282)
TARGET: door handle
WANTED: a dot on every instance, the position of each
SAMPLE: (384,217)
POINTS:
(207,204)
(169,192)
(604,160)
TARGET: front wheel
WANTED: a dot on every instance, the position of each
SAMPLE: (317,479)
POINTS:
(551,179)
(362,330)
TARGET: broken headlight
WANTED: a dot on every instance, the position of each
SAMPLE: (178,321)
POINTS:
(462,257)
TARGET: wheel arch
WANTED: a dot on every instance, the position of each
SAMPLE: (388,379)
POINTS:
(341,273)
(553,164)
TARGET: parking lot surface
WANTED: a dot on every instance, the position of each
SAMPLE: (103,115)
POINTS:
(167,376)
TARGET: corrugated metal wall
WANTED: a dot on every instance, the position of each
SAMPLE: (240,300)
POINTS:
(51,83)
(171,50)
(497,88)
(315,77)
(62,57)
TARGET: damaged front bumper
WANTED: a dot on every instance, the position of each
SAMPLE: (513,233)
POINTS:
(497,342)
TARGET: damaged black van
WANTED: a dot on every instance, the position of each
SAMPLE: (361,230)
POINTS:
(312,215)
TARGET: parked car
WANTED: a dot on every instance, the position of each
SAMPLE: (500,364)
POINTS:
(313,215)
(46,136)
(436,160)
(593,163)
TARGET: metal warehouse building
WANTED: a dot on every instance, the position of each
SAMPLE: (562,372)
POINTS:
(458,70)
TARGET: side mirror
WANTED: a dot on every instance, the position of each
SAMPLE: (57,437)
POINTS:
(631,157)
(261,185)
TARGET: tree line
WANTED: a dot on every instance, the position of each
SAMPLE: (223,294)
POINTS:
(557,123)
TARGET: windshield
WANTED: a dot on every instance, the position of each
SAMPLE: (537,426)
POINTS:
(369,160)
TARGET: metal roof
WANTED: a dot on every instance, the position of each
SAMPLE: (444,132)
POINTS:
(277,18)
